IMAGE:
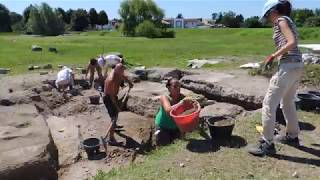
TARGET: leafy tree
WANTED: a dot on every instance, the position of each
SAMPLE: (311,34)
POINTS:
(35,24)
(230,19)
(219,18)
(214,16)
(312,22)
(103,18)
(5,21)
(317,12)
(69,15)
(15,17)
(179,16)
(93,16)
(62,14)
(134,12)
(44,21)
(79,20)
(253,22)
(301,15)
(26,13)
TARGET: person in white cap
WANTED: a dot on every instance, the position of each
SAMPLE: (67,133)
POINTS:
(283,85)
(109,61)
(112,60)
(65,78)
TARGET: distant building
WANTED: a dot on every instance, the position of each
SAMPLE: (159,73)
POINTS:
(113,24)
(191,23)
(182,22)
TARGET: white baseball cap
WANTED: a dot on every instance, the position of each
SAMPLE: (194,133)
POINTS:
(268,6)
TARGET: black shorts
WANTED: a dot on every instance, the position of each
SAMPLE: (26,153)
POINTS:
(166,136)
(112,109)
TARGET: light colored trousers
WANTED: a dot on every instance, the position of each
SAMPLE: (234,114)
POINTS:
(282,88)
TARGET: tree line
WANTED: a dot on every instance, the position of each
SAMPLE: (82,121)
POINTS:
(43,20)
(302,18)
(138,18)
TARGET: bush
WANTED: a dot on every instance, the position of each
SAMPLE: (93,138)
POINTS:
(262,72)
(168,34)
(313,22)
(311,75)
(148,29)
(18,27)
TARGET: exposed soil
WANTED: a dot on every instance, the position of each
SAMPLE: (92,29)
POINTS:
(64,112)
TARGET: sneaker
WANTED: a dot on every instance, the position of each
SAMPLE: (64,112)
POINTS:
(118,127)
(286,139)
(262,149)
(114,143)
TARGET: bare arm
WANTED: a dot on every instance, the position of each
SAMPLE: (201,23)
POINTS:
(165,103)
(88,68)
(105,72)
(288,34)
(127,80)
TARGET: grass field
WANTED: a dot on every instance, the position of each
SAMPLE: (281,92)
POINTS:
(76,49)
(202,162)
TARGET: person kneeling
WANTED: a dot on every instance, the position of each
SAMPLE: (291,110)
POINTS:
(167,129)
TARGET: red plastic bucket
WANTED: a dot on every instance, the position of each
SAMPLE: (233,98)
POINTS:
(186,122)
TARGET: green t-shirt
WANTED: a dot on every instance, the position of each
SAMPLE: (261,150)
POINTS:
(164,120)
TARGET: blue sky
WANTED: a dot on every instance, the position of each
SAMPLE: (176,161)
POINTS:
(188,8)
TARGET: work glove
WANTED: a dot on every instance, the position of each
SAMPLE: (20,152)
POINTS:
(268,62)
(186,99)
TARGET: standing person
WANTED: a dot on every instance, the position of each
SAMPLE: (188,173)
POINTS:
(65,78)
(111,90)
(167,129)
(92,66)
(284,83)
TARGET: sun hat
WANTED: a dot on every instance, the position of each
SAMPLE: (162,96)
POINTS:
(268,6)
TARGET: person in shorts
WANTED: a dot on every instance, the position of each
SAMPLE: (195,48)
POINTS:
(111,90)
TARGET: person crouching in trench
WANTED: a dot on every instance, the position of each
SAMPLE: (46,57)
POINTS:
(92,66)
(166,128)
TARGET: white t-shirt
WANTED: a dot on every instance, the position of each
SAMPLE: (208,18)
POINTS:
(101,61)
(64,75)
(112,60)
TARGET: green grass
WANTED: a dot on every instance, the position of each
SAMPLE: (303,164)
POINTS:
(15,51)
(227,163)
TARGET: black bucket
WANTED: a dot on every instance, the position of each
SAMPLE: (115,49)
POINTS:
(91,146)
(308,102)
(314,93)
(220,127)
(95,99)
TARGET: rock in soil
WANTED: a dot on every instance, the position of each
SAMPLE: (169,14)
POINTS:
(27,150)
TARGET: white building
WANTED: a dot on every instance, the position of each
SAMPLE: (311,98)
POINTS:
(183,22)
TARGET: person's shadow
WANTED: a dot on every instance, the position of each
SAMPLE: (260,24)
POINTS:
(130,143)
(311,161)
(212,145)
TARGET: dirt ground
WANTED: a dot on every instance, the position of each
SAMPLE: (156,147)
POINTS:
(63,114)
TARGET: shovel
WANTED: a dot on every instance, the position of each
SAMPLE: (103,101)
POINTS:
(125,97)
(110,126)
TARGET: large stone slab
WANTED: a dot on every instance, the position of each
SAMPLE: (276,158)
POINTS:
(27,150)
(221,109)
(144,97)
(159,74)
(237,88)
